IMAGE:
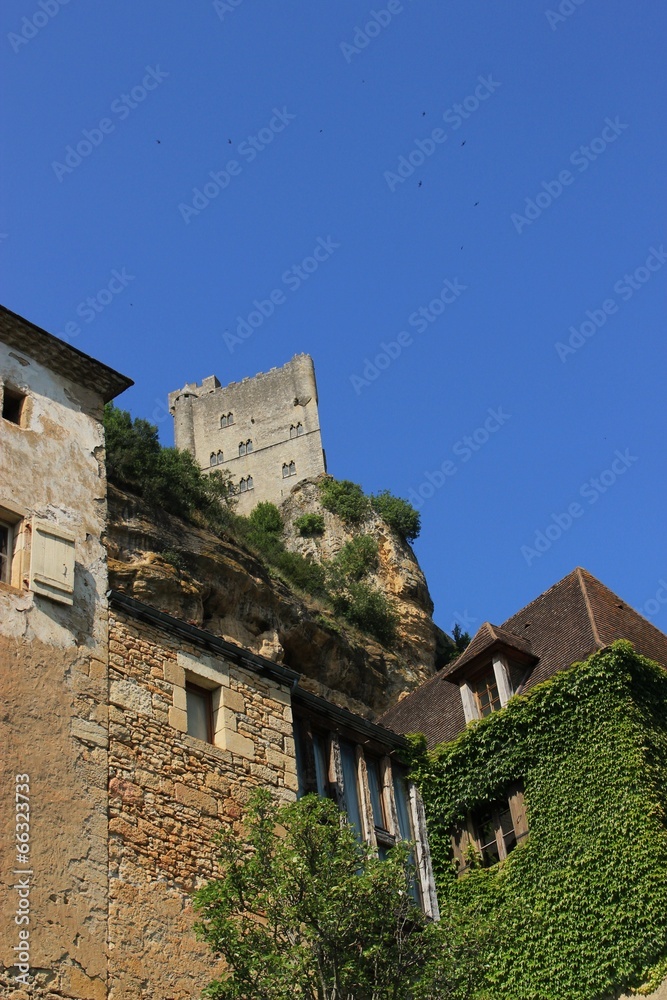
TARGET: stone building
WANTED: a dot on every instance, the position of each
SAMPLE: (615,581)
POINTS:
(53,663)
(265,430)
(129,735)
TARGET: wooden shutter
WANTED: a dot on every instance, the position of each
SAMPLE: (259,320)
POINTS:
(52,562)
(462,838)
(517,806)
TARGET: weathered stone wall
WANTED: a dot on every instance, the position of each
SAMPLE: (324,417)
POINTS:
(53,676)
(265,408)
(169,794)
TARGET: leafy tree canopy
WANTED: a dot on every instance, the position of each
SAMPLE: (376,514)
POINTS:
(303,911)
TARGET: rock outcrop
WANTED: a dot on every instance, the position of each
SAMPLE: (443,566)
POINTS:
(219,585)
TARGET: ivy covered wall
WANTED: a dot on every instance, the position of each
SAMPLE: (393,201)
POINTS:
(578,911)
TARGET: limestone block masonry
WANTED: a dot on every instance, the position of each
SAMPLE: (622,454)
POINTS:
(265,430)
(170,793)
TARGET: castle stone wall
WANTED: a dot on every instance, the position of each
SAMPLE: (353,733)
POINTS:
(268,410)
(169,793)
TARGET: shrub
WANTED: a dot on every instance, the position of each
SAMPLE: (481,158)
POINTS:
(344,498)
(357,558)
(165,477)
(309,525)
(266,517)
(369,609)
(398,514)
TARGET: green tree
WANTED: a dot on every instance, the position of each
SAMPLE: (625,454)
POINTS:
(309,525)
(344,498)
(398,514)
(303,911)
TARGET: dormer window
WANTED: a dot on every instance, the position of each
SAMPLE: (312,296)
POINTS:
(490,670)
(485,692)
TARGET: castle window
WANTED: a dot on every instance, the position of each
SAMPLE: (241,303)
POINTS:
(220,458)
(292,469)
(248,446)
(299,430)
(13,408)
(223,420)
(199,712)
(227,419)
(250,482)
(230,419)
(242,448)
(285,470)
(243,485)
(292,431)
(213,459)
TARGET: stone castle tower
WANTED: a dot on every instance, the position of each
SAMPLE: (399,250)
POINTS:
(265,430)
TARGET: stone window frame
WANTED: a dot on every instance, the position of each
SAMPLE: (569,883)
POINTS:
(334,787)
(498,666)
(226,420)
(16,520)
(226,703)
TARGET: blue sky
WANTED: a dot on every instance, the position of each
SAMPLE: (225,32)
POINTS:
(499,167)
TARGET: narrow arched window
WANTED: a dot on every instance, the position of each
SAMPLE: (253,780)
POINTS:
(230,419)
(292,469)
(242,448)
(248,446)
(223,420)
(243,485)
(299,430)
(292,431)
(285,471)
(221,458)
(251,484)
(213,459)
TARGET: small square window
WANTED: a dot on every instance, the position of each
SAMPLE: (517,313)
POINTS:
(200,712)
(13,405)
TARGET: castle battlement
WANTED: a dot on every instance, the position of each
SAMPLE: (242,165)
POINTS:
(264,429)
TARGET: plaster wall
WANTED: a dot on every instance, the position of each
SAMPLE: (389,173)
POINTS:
(53,676)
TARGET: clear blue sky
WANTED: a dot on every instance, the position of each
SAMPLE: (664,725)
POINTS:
(335,111)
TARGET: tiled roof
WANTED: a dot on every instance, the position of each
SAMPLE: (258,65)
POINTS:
(571,620)
(486,638)
(59,356)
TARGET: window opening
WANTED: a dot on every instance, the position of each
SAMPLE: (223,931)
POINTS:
(485,690)
(199,712)
(6,544)
(12,405)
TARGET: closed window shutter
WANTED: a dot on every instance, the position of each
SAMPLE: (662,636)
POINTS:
(52,561)
(517,806)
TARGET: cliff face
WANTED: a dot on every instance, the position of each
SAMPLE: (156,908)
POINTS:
(220,586)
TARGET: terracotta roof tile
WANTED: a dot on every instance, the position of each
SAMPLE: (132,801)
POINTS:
(571,620)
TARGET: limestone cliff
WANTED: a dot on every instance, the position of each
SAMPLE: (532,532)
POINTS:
(219,585)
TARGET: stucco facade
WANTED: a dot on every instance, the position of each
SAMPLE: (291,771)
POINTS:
(265,430)
(53,666)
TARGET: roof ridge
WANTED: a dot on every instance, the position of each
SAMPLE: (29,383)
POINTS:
(589,610)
